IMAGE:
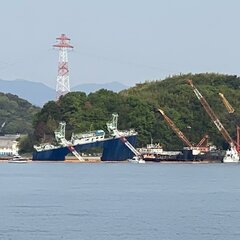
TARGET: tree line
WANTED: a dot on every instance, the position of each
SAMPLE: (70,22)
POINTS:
(137,108)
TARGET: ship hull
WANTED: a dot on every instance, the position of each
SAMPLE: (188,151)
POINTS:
(113,150)
(187,156)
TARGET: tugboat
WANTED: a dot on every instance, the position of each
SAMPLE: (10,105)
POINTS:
(155,153)
(151,152)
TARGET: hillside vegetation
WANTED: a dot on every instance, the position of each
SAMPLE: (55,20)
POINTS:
(137,108)
(179,102)
(17,114)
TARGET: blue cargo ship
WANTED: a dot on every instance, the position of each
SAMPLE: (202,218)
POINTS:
(113,150)
(114,147)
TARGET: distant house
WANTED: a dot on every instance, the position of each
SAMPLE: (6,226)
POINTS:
(8,145)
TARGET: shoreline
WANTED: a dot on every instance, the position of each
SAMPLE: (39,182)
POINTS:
(98,160)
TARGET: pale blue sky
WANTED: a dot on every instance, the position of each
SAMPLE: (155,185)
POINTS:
(128,41)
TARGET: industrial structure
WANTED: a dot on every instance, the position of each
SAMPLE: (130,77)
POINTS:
(8,145)
(232,153)
(63,85)
(202,146)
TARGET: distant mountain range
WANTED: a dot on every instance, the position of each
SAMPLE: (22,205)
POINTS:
(38,93)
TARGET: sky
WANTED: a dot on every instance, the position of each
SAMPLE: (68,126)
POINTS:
(128,41)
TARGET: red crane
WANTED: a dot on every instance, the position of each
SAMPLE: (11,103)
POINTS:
(201,146)
(203,142)
(238,138)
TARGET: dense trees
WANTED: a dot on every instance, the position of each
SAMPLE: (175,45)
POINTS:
(83,113)
(181,105)
(16,113)
(137,108)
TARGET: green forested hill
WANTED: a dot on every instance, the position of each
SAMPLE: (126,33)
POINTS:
(179,102)
(16,113)
(137,109)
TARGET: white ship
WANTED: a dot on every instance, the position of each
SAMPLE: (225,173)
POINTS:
(231,156)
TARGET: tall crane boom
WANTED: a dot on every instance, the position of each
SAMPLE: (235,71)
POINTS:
(212,115)
(203,142)
(228,106)
(238,138)
(175,128)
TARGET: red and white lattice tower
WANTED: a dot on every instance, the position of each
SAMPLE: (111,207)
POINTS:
(63,85)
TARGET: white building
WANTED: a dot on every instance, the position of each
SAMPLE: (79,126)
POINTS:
(8,145)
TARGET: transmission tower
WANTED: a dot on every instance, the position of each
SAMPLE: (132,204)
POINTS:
(63,45)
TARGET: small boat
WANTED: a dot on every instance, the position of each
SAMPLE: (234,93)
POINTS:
(136,159)
(231,156)
(18,159)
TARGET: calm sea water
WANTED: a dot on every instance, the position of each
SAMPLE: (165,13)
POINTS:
(119,201)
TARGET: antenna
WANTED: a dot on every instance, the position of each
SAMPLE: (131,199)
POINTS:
(63,85)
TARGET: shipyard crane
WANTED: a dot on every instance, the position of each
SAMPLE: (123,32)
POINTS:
(226,103)
(238,138)
(230,109)
(175,128)
(201,146)
(60,138)
(113,130)
(233,151)
(203,141)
